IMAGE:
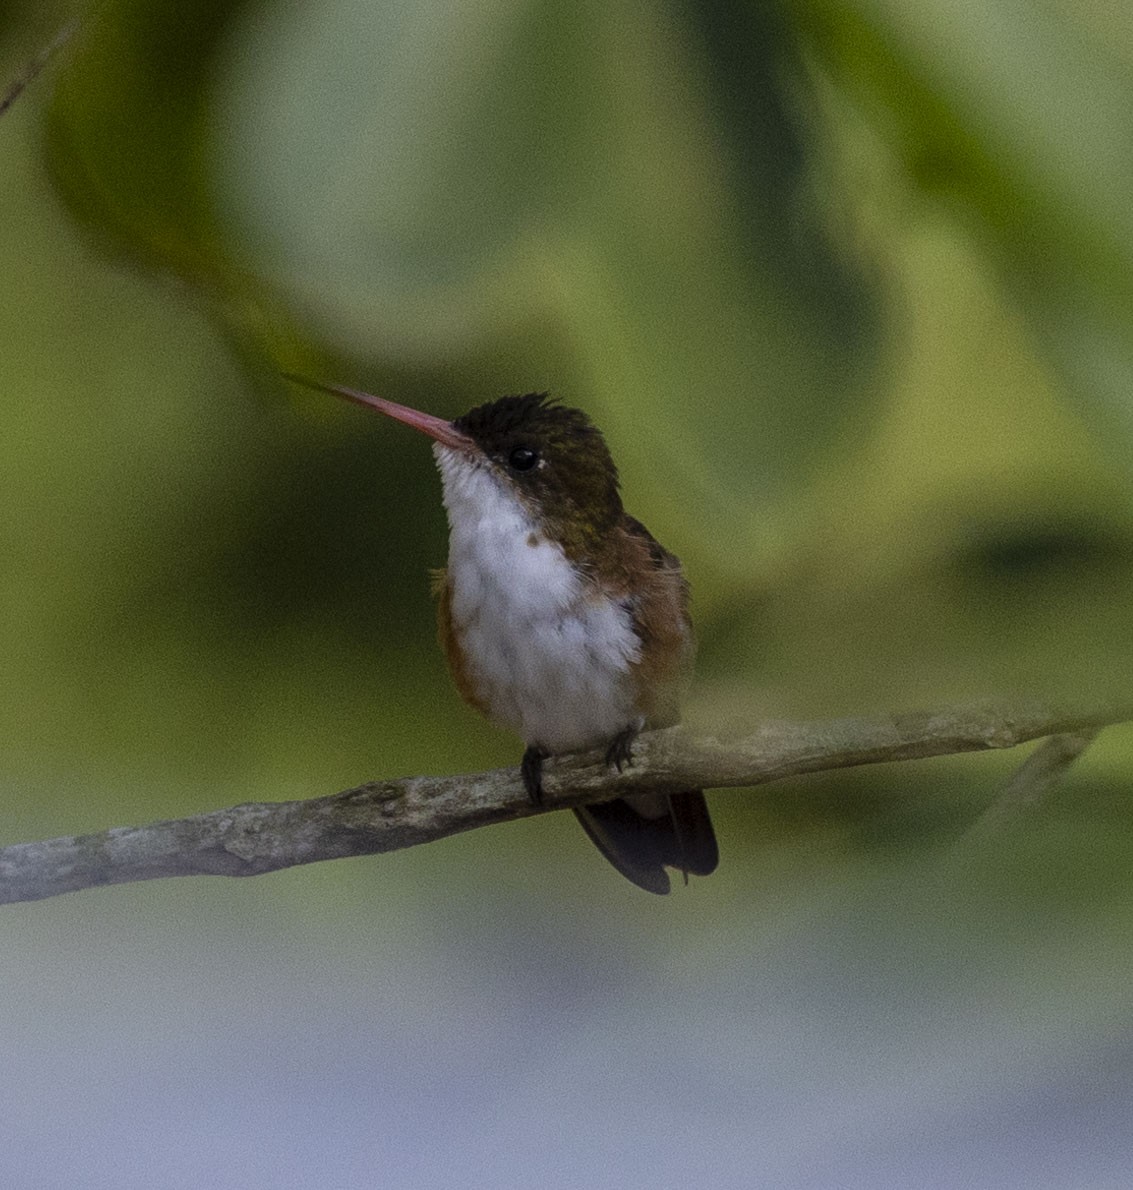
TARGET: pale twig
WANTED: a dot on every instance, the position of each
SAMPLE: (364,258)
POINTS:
(1030,784)
(250,839)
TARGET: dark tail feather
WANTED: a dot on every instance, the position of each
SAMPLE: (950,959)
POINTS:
(644,835)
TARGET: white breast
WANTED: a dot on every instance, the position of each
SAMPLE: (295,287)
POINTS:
(548,654)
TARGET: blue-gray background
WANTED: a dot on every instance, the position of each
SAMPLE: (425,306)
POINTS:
(847,284)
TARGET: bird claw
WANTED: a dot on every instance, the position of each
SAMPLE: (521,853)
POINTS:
(531,770)
(620,751)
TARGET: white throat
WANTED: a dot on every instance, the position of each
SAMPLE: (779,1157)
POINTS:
(549,654)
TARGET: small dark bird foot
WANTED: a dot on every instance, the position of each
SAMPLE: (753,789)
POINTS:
(531,770)
(620,751)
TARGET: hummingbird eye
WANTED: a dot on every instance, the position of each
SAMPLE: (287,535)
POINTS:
(522,458)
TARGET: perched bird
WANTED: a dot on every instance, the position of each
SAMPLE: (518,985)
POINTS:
(563,619)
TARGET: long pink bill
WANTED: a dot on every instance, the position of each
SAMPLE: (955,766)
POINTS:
(436,427)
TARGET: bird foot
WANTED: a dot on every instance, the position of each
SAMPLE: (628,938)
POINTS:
(531,770)
(620,751)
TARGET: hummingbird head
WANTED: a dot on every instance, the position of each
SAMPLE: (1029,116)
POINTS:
(550,457)
(553,458)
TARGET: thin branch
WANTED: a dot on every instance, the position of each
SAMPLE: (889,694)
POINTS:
(250,839)
(17,88)
(1030,784)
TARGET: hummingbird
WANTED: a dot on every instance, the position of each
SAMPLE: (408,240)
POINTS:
(562,618)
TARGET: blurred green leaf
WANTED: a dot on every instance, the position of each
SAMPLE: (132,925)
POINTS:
(128,126)
(1019,116)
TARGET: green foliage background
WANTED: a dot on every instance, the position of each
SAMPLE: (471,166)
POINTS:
(847,284)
